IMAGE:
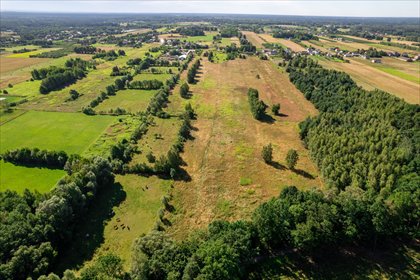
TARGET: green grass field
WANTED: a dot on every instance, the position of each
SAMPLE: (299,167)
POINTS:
(208,38)
(132,100)
(19,178)
(4,117)
(150,76)
(26,88)
(70,132)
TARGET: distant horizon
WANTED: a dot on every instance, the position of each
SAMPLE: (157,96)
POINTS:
(200,13)
(351,9)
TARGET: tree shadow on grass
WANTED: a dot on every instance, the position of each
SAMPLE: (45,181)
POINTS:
(277,165)
(393,261)
(267,119)
(89,233)
(303,173)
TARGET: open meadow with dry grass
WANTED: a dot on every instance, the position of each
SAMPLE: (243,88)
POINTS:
(228,176)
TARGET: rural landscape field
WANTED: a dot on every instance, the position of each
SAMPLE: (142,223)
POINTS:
(209,146)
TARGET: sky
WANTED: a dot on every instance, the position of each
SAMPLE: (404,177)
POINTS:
(356,8)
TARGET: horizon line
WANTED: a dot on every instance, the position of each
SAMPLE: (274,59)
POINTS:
(194,13)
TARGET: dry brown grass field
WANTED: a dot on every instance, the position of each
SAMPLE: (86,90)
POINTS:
(228,176)
(371,78)
(254,38)
(291,45)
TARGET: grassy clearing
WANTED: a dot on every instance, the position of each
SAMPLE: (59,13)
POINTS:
(150,76)
(25,88)
(132,100)
(70,132)
(119,216)
(207,38)
(120,129)
(228,177)
(19,178)
(159,138)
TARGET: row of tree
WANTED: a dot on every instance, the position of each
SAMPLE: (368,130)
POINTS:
(36,157)
(192,72)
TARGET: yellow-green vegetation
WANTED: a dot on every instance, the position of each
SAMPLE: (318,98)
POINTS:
(34,52)
(19,178)
(70,132)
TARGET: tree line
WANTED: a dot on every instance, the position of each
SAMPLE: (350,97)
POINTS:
(192,72)
(36,157)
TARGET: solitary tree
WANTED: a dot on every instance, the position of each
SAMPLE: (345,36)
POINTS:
(183,90)
(267,153)
(275,109)
(292,158)
(73,94)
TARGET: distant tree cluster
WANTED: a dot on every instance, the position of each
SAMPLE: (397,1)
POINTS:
(256,105)
(85,49)
(190,31)
(296,35)
(109,55)
(229,31)
(36,157)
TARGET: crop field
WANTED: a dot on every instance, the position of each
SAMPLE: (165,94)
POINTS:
(371,78)
(19,178)
(228,176)
(13,63)
(396,67)
(70,132)
(132,100)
